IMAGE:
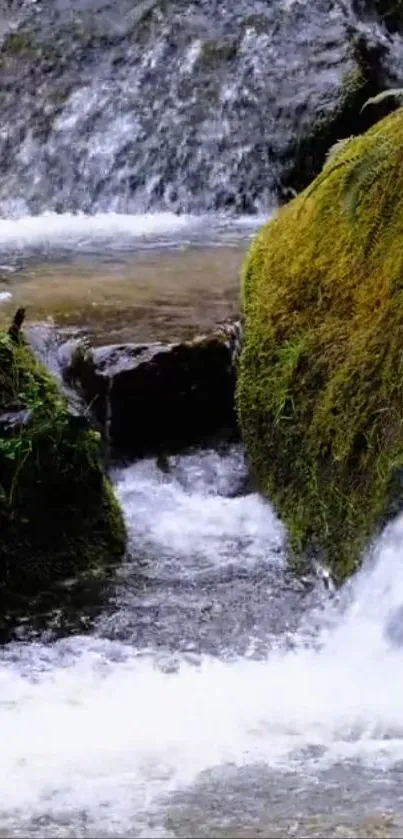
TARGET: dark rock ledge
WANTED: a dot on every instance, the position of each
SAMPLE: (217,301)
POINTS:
(156,398)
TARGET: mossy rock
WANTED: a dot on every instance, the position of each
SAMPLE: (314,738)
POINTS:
(58,513)
(320,389)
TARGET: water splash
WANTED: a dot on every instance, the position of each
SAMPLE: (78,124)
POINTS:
(191,518)
(96,730)
(70,234)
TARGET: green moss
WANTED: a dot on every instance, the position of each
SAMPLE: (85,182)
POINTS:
(216,52)
(320,390)
(16,43)
(58,513)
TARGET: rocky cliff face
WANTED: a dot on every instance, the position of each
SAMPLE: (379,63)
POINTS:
(186,105)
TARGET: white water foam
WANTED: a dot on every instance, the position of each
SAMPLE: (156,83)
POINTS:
(82,231)
(188,518)
(96,730)
(114,231)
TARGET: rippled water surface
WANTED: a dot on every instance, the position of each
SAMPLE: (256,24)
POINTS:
(124,278)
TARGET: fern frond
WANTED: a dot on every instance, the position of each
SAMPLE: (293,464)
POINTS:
(335,149)
(390,198)
(394,92)
(360,178)
(324,175)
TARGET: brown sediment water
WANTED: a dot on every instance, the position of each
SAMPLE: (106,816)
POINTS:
(151,295)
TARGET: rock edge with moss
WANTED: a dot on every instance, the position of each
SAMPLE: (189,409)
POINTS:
(320,388)
(58,512)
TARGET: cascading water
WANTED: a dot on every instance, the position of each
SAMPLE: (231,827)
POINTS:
(214,694)
(166,104)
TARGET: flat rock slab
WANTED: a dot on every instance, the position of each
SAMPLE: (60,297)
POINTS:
(153,398)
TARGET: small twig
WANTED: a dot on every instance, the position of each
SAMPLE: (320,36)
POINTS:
(15,328)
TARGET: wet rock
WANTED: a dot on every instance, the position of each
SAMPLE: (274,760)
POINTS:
(160,397)
(5,296)
(367,76)
(193,106)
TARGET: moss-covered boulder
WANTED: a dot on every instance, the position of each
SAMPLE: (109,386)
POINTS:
(58,513)
(320,389)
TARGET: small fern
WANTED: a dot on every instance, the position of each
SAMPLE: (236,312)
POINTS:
(361,172)
(326,172)
(366,170)
(334,150)
(392,93)
(360,178)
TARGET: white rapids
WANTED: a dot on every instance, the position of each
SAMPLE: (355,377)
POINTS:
(81,233)
(97,733)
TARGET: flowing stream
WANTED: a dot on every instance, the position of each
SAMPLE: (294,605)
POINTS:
(212,694)
(201,690)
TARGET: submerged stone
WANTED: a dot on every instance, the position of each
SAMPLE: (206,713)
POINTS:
(58,512)
(320,390)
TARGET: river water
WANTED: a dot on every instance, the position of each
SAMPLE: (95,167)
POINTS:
(213,695)
(123,278)
(202,690)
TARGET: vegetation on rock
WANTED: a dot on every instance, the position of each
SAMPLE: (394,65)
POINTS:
(366,79)
(58,513)
(320,390)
